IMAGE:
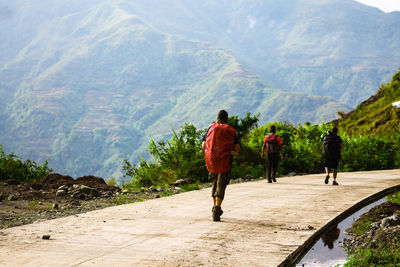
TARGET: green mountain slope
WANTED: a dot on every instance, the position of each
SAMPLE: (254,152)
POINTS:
(376,114)
(337,48)
(89,89)
(88,83)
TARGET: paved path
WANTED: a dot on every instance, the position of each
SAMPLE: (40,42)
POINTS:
(261,225)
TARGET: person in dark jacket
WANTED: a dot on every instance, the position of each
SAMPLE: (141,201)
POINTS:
(218,143)
(331,153)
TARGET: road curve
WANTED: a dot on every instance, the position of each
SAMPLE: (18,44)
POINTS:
(261,225)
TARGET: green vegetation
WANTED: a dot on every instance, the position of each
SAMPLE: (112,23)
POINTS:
(124,199)
(375,115)
(34,203)
(174,159)
(386,248)
(182,157)
(121,199)
(361,226)
(190,187)
(111,181)
(168,192)
(381,256)
(12,167)
(394,198)
(371,152)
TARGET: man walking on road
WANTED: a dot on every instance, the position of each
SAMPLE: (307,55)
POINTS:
(219,142)
(273,146)
(331,153)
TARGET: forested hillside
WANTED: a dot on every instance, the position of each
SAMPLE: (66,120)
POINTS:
(376,114)
(86,84)
(337,48)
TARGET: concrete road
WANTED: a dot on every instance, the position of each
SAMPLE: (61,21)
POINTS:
(261,225)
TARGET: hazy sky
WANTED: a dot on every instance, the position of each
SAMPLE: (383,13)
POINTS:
(385,5)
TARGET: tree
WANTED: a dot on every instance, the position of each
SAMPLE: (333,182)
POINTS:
(12,167)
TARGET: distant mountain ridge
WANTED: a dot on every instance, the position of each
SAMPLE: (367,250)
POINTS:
(337,48)
(87,83)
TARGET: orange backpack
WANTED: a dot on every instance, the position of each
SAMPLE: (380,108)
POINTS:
(219,145)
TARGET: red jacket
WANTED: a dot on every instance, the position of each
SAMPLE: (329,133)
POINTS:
(219,145)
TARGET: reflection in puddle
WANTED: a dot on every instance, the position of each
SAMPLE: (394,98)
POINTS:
(327,250)
(330,236)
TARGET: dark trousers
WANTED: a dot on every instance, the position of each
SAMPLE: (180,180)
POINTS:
(332,163)
(271,163)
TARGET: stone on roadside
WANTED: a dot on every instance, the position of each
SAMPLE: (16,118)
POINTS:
(236,181)
(107,194)
(61,193)
(248,177)
(84,192)
(292,174)
(89,190)
(63,187)
(185,181)
(12,197)
(391,220)
(177,190)
(78,195)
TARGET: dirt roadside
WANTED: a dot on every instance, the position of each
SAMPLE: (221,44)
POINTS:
(58,196)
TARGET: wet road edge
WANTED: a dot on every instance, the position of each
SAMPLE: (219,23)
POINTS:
(301,251)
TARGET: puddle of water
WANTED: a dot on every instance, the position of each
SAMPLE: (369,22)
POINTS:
(326,251)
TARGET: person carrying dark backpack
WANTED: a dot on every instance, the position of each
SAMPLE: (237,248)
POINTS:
(273,147)
(332,145)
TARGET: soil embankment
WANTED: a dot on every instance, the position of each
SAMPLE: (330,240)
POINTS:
(58,196)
